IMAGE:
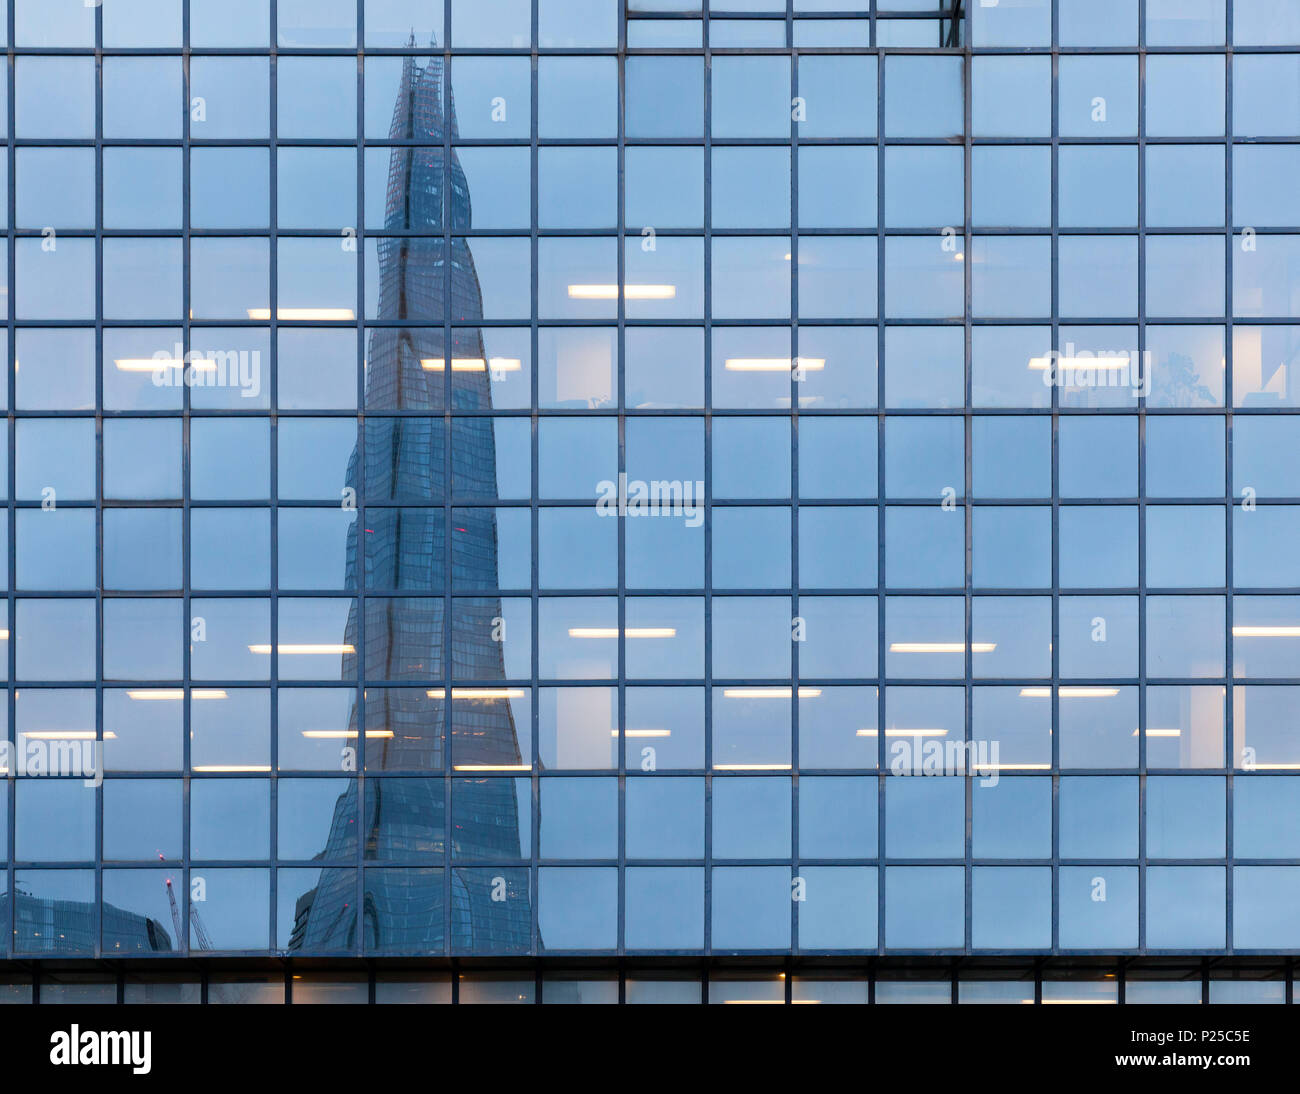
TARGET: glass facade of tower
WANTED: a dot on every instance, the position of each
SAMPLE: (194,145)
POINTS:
(726,499)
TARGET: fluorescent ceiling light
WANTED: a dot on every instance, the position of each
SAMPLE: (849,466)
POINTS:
(175,693)
(643,733)
(1069,693)
(478,693)
(904,733)
(1080,364)
(631,632)
(630,292)
(345,734)
(751,767)
(1255,631)
(1161,733)
(769,693)
(232,769)
(313,314)
(941,647)
(774,364)
(65,735)
(472,364)
(304,648)
(153,364)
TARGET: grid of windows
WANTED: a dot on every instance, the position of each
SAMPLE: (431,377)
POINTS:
(1132,983)
(843,500)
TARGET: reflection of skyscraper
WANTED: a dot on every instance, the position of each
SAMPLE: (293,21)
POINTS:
(403,548)
(53,927)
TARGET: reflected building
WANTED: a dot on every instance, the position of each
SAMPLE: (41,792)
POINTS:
(401,548)
(54,926)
